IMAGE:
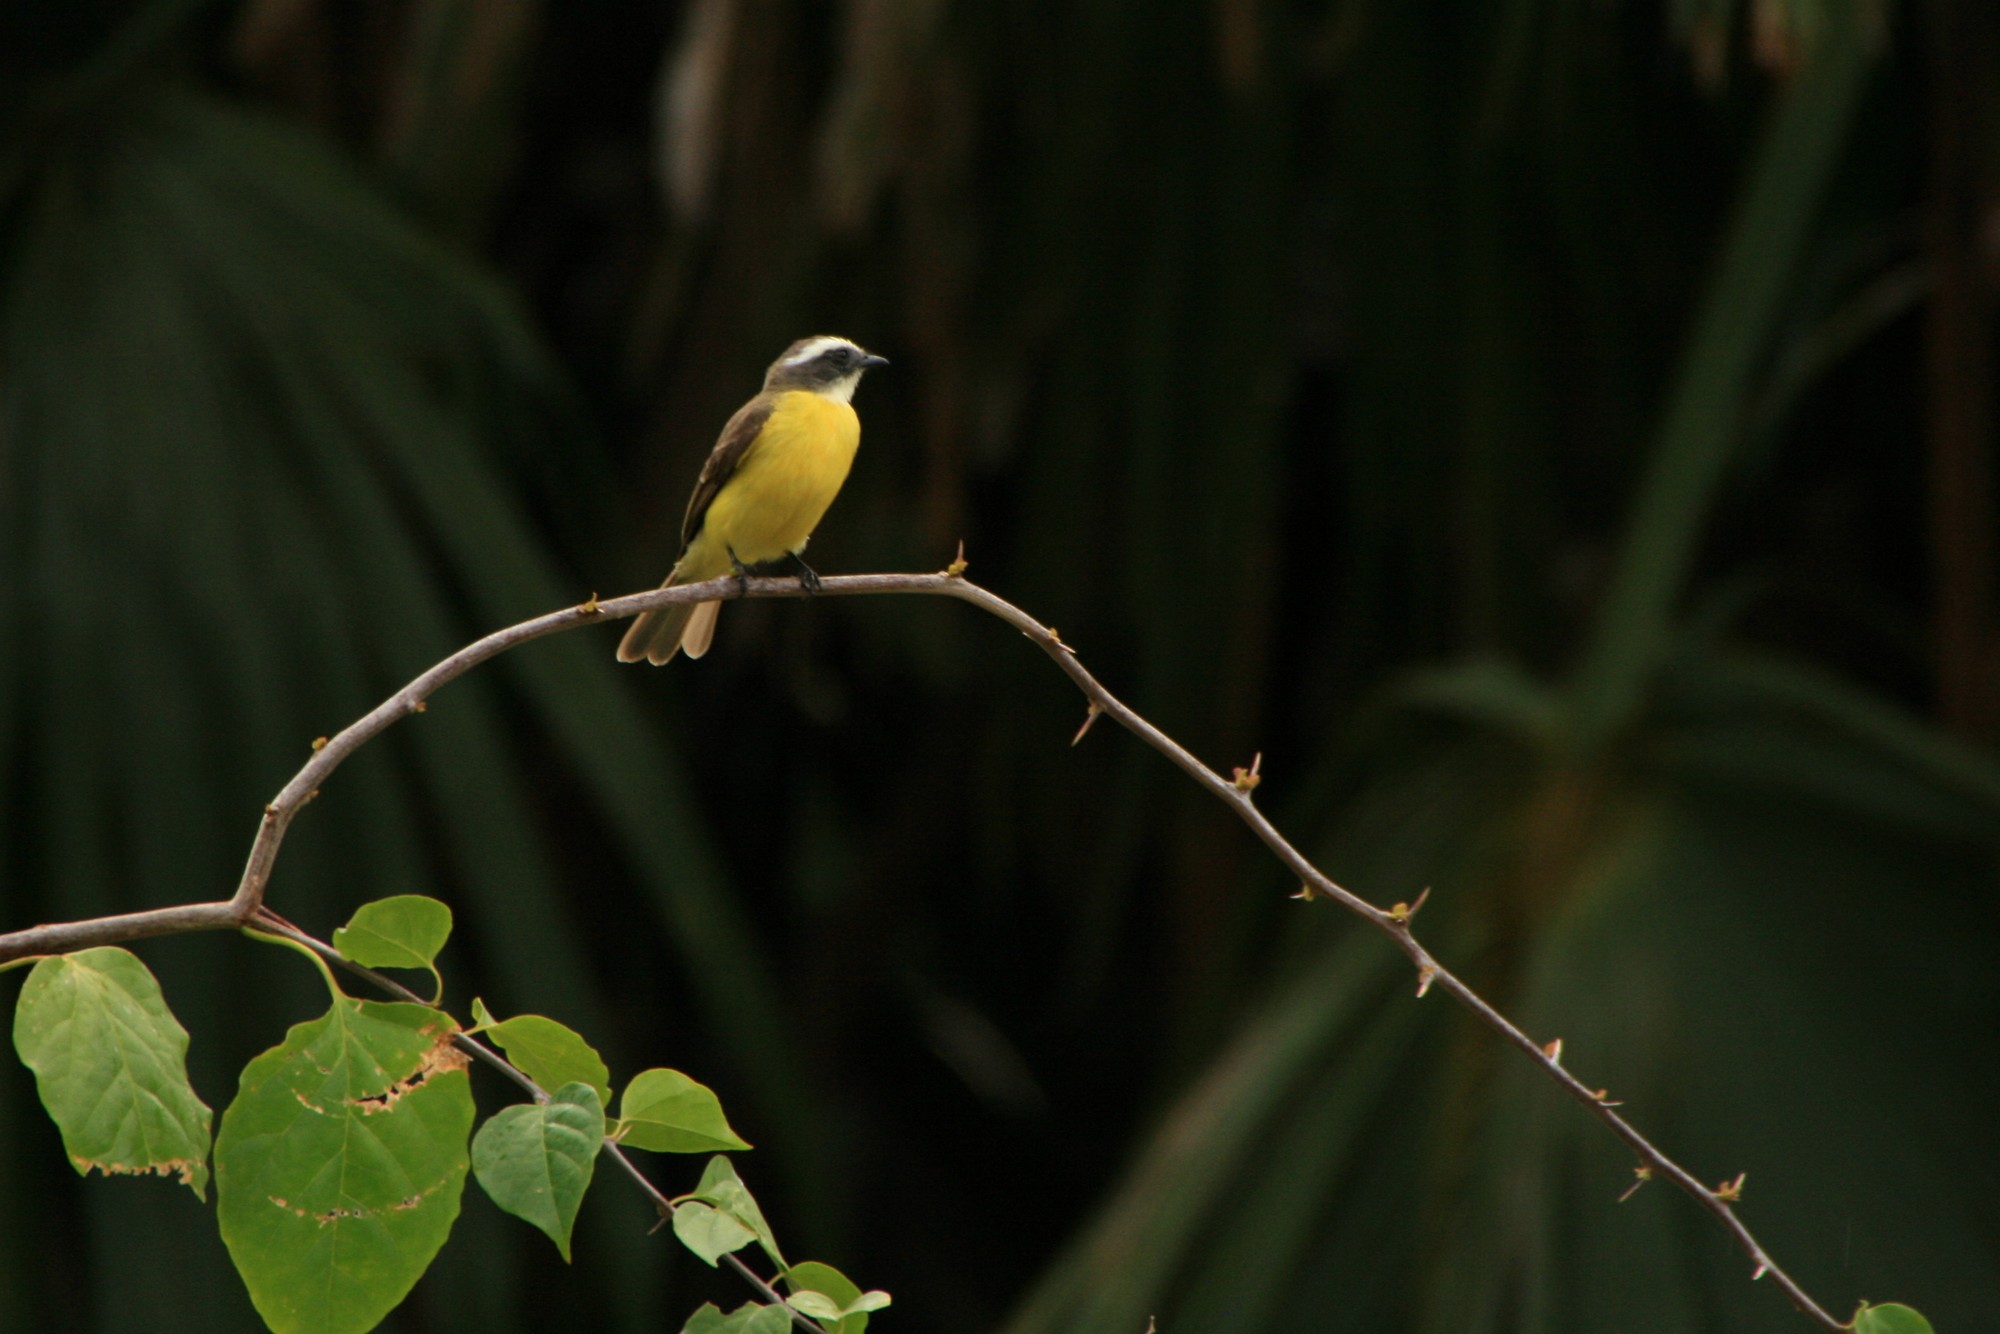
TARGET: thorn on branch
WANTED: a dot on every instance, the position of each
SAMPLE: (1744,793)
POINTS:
(1089,717)
(1729,1192)
(589,607)
(1307,893)
(1644,1174)
(1057,640)
(418,706)
(1554,1051)
(1425,976)
(1603,1098)
(1401,913)
(666,1216)
(957,567)
(318,744)
(271,810)
(1763,1268)
(1246,780)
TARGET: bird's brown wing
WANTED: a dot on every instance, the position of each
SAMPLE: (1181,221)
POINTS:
(723,461)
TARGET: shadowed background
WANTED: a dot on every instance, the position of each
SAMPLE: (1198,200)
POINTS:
(1557,435)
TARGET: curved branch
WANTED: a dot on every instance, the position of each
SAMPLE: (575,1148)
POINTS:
(1236,793)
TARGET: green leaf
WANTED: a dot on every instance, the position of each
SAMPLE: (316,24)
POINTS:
(706,1320)
(721,1187)
(535,1159)
(817,1305)
(481,1016)
(824,1293)
(1892,1318)
(406,931)
(110,1061)
(666,1112)
(749,1318)
(710,1233)
(551,1054)
(340,1164)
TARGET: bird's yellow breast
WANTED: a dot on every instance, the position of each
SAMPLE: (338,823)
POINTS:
(786,480)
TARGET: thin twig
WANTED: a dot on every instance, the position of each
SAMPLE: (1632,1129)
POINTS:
(1237,794)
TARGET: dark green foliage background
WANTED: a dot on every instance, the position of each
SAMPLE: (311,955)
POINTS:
(1508,419)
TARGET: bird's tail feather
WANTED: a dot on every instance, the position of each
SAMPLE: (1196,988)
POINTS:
(686,627)
(655,636)
(700,631)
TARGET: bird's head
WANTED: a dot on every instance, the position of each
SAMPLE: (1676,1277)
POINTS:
(822,365)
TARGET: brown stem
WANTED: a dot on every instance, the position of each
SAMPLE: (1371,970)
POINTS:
(1236,793)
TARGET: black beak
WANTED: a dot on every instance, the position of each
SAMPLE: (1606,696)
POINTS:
(869,361)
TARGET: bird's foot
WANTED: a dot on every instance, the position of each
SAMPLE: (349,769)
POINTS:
(808,577)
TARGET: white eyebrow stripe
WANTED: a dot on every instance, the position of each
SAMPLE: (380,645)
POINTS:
(817,347)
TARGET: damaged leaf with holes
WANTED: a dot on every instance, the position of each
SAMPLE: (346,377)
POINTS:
(340,1164)
(110,1062)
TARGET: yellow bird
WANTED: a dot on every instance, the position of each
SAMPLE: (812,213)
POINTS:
(780,462)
